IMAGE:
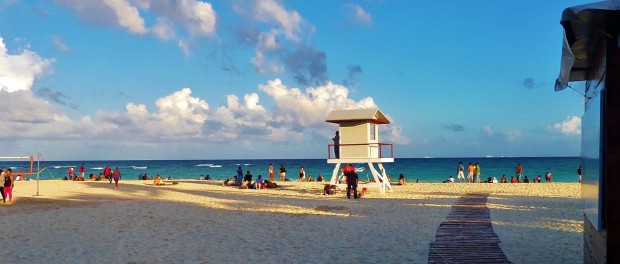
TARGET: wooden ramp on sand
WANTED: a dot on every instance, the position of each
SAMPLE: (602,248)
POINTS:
(466,235)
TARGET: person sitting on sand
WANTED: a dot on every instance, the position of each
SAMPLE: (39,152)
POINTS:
(208,178)
(451,179)
(258,184)
(330,189)
(310,179)
(401,179)
(226,182)
(248,178)
(92,177)
(320,178)
(495,180)
(512,179)
(158,180)
(526,180)
(504,180)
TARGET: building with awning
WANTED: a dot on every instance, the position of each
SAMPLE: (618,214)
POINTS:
(591,55)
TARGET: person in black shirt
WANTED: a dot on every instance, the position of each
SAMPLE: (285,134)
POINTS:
(352,180)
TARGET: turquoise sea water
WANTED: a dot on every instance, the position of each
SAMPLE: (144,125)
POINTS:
(421,169)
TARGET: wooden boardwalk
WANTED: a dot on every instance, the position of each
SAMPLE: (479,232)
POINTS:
(466,235)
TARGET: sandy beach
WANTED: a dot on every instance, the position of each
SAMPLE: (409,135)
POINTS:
(203,222)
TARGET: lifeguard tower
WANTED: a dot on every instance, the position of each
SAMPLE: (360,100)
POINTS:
(359,143)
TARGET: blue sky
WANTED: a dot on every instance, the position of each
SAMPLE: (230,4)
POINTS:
(187,79)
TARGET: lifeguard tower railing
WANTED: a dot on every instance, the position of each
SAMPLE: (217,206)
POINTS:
(380,146)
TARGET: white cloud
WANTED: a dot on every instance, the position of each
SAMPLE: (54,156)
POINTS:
(197,18)
(569,126)
(360,15)
(127,16)
(60,44)
(271,11)
(18,71)
(179,116)
(24,116)
(309,108)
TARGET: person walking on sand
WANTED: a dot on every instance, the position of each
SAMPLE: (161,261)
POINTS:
(579,173)
(271,172)
(302,174)
(117,176)
(519,171)
(282,172)
(8,184)
(336,140)
(460,173)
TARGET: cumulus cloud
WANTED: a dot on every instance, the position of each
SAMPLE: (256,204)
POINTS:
(18,71)
(294,112)
(360,15)
(179,116)
(25,116)
(569,126)
(270,11)
(196,18)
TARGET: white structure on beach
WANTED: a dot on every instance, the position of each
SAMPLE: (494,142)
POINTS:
(359,143)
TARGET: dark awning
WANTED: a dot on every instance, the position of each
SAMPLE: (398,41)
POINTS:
(584,29)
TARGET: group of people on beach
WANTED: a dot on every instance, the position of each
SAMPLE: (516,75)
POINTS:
(474,175)
(107,174)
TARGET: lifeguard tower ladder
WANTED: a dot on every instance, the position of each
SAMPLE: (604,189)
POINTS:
(359,143)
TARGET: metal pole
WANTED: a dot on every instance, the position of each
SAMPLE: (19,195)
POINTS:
(38,171)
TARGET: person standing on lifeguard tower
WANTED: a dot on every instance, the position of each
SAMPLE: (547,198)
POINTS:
(336,140)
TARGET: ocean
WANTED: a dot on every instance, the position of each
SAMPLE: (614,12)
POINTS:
(428,170)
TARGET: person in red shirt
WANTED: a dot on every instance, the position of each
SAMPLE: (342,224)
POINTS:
(81,170)
(513,180)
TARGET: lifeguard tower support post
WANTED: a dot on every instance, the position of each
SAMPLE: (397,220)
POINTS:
(359,143)
(591,53)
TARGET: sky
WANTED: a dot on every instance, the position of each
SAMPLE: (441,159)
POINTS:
(255,79)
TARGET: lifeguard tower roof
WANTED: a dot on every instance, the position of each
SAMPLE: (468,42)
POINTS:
(372,115)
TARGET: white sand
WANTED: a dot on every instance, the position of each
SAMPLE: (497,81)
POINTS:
(194,222)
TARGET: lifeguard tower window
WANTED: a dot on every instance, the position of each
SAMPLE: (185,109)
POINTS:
(373,132)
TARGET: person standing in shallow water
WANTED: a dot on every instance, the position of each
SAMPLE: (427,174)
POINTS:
(519,171)
(282,172)
(271,172)
(579,173)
